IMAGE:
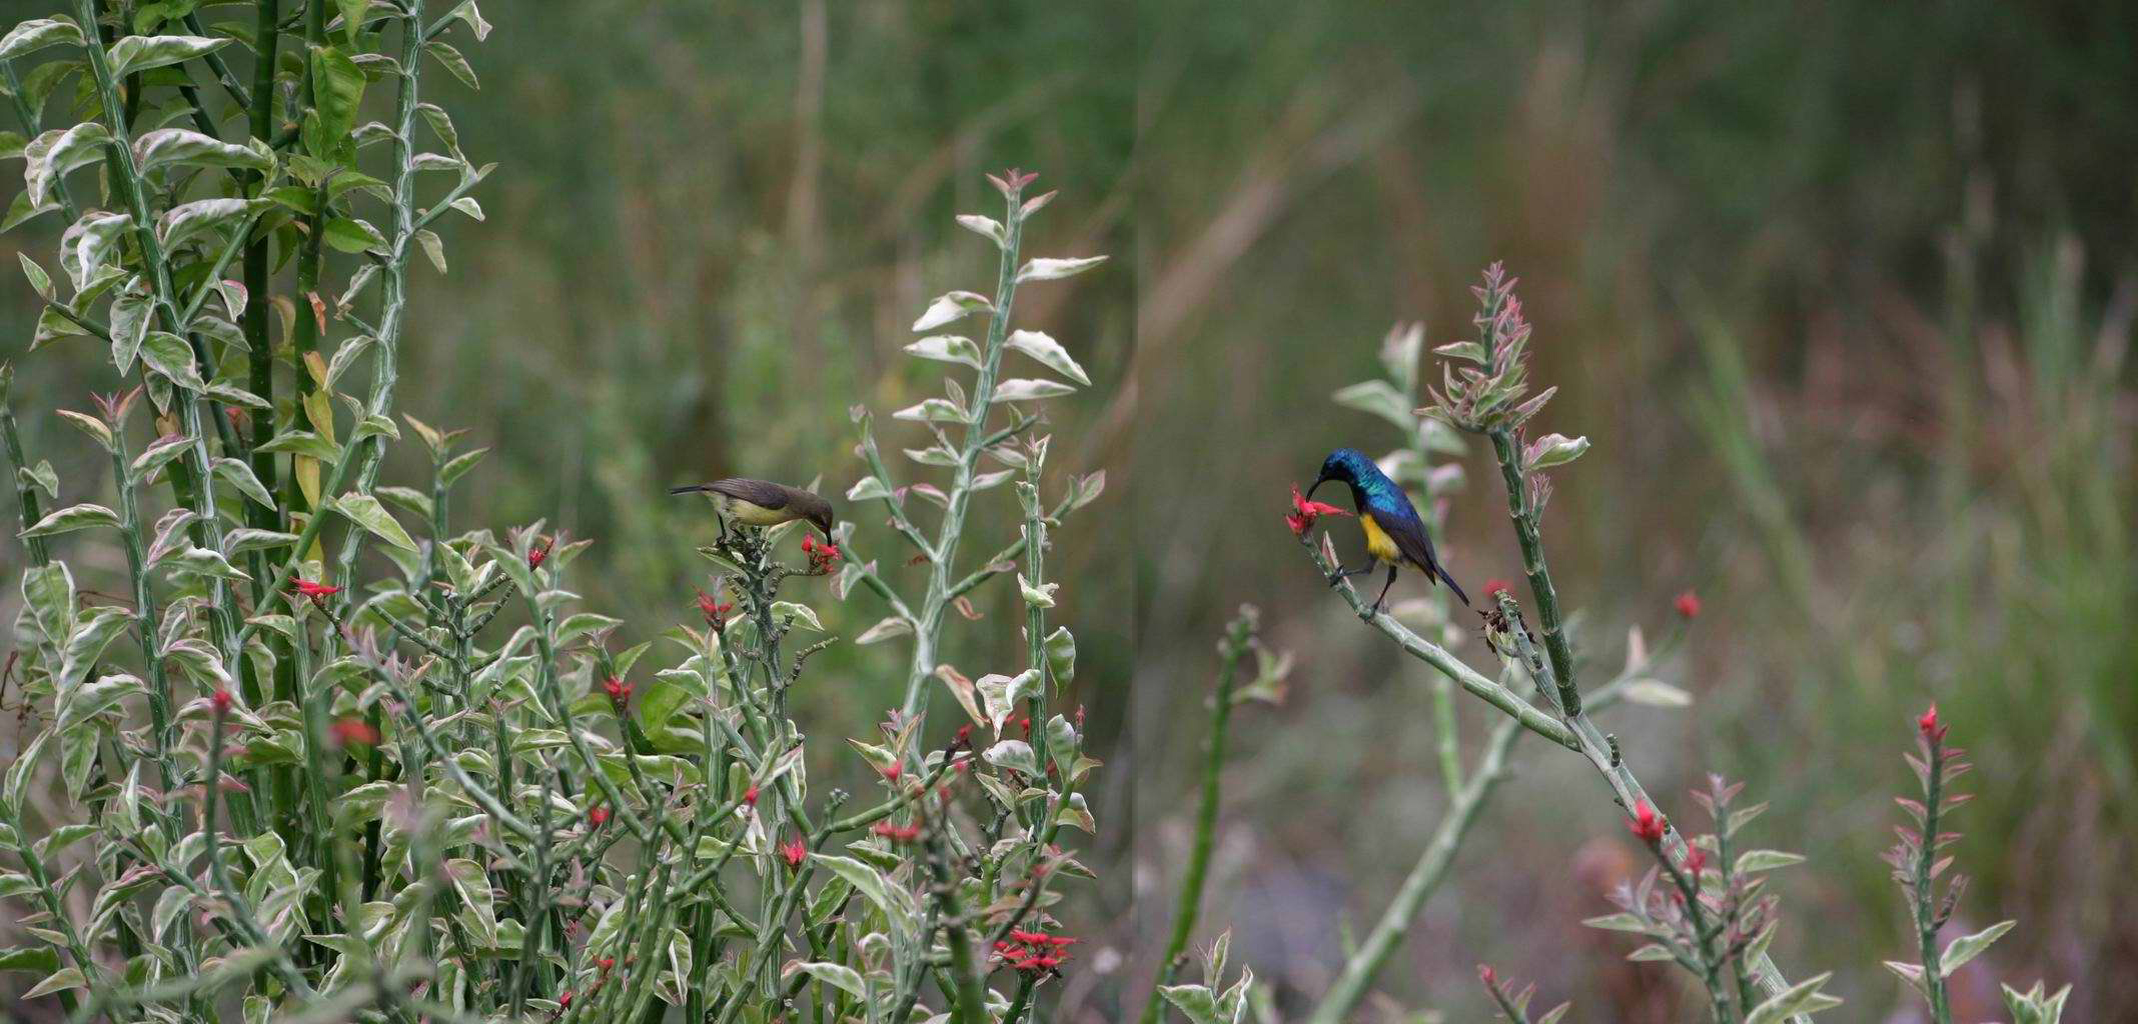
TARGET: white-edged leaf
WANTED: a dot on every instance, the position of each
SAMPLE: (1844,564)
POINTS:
(140,53)
(1380,398)
(1555,450)
(1967,947)
(948,348)
(31,36)
(72,518)
(1026,389)
(1050,353)
(1656,693)
(891,626)
(1803,997)
(986,227)
(1766,860)
(951,307)
(193,149)
(366,511)
(168,354)
(1040,269)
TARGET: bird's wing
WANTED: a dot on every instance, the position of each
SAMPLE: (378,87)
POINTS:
(760,493)
(1408,531)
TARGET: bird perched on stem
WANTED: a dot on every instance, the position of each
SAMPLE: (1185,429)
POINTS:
(1395,535)
(744,502)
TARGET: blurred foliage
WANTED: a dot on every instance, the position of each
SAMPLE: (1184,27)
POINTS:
(1839,290)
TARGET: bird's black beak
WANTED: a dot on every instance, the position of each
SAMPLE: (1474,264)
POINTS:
(1318,481)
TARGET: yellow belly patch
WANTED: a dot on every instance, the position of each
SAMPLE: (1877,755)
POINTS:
(1378,543)
(750,513)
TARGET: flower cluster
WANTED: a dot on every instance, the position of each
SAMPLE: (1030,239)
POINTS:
(714,610)
(1647,825)
(821,556)
(794,851)
(897,833)
(1301,517)
(1034,952)
(619,692)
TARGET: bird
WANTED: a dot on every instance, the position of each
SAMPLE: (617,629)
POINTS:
(745,502)
(1395,535)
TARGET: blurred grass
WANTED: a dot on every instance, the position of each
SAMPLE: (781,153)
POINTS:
(1840,290)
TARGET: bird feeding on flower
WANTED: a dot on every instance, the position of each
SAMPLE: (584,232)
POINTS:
(1395,535)
(745,502)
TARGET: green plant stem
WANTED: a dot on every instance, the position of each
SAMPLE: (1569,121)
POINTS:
(1432,867)
(944,551)
(1439,658)
(967,988)
(1925,860)
(1238,641)
(266,38)
(1523,512)
(25,491)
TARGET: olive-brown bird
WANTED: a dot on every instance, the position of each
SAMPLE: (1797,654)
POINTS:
(745,502)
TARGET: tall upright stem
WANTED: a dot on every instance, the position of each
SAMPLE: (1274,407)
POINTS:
(941,581)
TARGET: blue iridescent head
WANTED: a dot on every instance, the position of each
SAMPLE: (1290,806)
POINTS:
(1348,465)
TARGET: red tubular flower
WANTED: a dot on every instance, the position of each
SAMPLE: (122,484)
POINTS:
(1647,824)
(565,1000)
(1688,605)
(892,771)
(821,556)
(346,731)
(606,963)
(1929,727)
(1304,512)
(597,816)
(897,833)
(1486,974)
(618,690)
(715,612)
(1496,587)
(221,699)
(794,851)
(749,796)
(537,556)
(315,591)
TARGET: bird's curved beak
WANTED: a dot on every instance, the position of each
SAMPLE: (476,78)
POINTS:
(1318,481)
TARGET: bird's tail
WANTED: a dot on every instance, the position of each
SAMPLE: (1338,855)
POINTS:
(689,489)
(1452,585)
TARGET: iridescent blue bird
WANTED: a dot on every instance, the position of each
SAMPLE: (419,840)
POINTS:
(1395,535)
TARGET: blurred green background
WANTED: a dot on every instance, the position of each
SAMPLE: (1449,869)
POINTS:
(1842,292)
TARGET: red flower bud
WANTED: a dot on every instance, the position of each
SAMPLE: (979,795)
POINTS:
(346,731)
(892,771)
(565,1000)
(1486,974)
(1688,605)
(618,690)
(315,591)
(537,556)
(221,700)
(749,796)
(598,816)
(1496,587)
(606,962)
(1647,824)
(794,851)
(1929,727)
(1695,861)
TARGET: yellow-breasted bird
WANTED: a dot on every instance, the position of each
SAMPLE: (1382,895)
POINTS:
(1395,535)
(741,501)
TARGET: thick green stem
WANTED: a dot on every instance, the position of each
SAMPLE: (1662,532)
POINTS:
(928,630)
(1424,878)
(25,491)
(1523,511)
(1238,641)
(1926,853)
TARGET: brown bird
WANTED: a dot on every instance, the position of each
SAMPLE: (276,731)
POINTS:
(741,501)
